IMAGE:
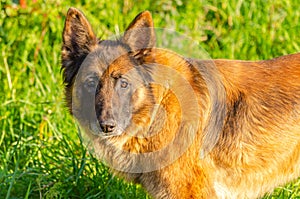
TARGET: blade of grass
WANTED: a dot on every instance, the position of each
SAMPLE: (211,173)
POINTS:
(12,181)
(28,191)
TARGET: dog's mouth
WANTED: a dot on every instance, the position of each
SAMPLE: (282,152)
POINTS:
(104,131)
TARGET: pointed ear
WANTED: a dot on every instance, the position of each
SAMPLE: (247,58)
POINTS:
(78,41)
(140,35)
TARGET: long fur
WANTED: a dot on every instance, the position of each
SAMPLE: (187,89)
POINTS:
(240,140)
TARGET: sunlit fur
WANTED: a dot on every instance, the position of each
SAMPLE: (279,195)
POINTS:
(248,151)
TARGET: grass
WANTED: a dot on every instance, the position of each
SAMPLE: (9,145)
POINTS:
(41,155)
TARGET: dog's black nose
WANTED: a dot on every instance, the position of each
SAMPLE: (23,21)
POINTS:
(108,126)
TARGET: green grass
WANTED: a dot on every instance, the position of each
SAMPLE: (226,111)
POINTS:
(41,155)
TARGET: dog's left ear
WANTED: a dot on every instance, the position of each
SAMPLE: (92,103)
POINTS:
(140,35)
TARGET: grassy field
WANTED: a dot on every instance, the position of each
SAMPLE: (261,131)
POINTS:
(41,155)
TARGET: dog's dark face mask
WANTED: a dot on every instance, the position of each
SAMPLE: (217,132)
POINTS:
(109,88)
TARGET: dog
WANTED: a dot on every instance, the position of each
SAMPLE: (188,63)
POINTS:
(182,127)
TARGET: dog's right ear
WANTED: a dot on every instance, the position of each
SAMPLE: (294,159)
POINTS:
(78,41)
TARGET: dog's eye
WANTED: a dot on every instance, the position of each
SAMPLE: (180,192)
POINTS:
(91,84)
(123,83)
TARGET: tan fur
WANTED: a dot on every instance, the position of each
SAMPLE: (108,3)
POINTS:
(257,147)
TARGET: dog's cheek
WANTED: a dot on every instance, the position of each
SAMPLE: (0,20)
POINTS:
(141,107)
(83,103)
(138,98)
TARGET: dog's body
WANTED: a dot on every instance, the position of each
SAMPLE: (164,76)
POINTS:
(239,128)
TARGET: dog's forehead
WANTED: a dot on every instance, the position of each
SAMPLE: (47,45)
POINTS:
(106,53)
(109,50)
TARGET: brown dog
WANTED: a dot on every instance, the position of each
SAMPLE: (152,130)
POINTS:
(183,128)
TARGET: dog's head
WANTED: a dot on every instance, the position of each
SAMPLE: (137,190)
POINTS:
(110,88)
(106,81)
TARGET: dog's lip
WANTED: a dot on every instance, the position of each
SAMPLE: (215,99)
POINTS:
(97,131)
